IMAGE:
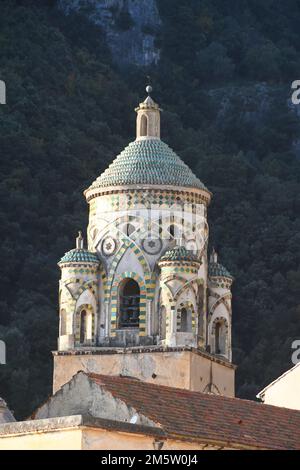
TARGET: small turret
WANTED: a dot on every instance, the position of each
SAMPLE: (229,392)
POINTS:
(179,297)
(78,299)
(219,312)
(148,118)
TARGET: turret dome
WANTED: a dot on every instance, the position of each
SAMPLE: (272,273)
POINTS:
(179,253)
(216,269)
(79,255)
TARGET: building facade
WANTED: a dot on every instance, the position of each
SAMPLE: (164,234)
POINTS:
(144,347)
(283,391)
(104,412)
(144,283)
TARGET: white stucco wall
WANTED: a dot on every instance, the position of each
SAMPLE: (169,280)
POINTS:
(284,391)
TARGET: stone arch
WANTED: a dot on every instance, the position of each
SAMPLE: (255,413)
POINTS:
(187,306)
(136,220)
(90,285)
(220,333)
(166,291)
(202,228)
(156,226)
(67,300)
(75,281)
(83,285)
(103,278)
(220,300)
(141,258)
(159,227)
(114,301)
(129,229)
(150,281)
(90,325)
(190,283)
(174,277)
(128,303)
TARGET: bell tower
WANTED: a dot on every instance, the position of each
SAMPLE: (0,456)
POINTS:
(141,299)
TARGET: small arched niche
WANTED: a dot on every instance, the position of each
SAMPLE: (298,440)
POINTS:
(221,337)
(85,325)
(129,304)
(144,126)
(186,320)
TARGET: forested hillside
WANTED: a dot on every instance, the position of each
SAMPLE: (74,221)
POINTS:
(223,79)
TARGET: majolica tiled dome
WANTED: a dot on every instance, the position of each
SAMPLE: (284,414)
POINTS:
(148,161)
(79,256)
(218,270)
(179,253)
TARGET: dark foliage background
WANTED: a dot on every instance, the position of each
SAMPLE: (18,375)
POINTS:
(70,111)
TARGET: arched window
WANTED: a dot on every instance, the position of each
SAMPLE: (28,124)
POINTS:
(63,322)
(83,326)
(129,229)
(144,125)
(220,338)
(186,320)
(129,304)
(175,231)
(172,230)
(163,319)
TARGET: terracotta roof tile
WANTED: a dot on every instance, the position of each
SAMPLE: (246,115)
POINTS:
(208,417)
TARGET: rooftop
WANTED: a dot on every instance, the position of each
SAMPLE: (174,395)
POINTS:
(218,270)
(278,379)
(207,417)
(149,162)
(79,256)
(74,421)
(183,414)
(179,253)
